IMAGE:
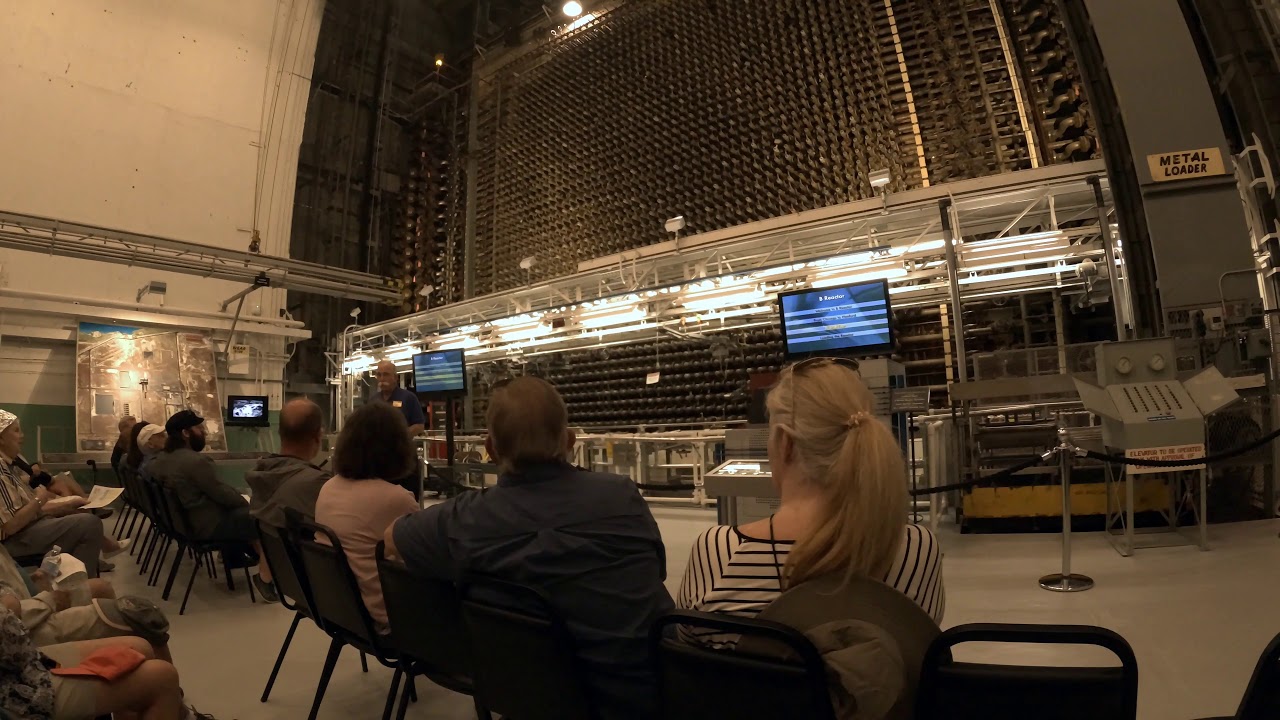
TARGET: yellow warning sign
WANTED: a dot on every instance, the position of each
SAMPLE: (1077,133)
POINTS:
(1191,453)
(1167,167)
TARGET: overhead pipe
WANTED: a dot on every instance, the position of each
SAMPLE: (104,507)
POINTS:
(139,307)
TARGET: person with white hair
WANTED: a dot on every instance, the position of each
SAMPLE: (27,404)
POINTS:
(28,526)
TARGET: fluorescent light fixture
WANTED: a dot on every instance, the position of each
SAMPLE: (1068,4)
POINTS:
(612,316)
(515,320)
(1016,274)
(880,179)
(455,342)
(405,354)
(582,20)
(716,301)
(523,331)
(882,270)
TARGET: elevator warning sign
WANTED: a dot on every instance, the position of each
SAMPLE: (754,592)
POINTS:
(1167,167)
(1191,453)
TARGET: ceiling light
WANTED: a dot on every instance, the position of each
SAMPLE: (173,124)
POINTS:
(863,274)
(880,178)
(612,316)
(715,301)
(1016,274)
(572,8)
(439,61)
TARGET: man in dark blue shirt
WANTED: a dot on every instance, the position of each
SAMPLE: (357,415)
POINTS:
(390,392)
(586,539)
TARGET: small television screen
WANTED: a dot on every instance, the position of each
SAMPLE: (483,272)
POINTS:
(247,410)
(443,372)
(847,320)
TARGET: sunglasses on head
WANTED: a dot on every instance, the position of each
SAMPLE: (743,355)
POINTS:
(813,362)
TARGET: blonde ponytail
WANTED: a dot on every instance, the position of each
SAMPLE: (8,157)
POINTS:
(855,460)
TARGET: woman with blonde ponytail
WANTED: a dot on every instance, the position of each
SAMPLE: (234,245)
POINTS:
(842,480)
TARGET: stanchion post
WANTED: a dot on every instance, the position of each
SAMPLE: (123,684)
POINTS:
(1065,581)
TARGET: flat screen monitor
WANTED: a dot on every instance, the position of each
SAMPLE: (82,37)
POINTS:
(846,320)
(247,411)
(440,373)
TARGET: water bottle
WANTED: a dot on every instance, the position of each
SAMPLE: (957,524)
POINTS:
(52,563)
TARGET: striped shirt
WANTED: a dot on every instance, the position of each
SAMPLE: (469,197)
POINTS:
(15,490)
(738,575)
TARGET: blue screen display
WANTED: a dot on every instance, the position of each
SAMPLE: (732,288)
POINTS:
(440,372)
(854,318)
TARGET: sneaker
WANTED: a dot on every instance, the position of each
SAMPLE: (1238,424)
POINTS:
(265,589)
(104,566)
(124,545)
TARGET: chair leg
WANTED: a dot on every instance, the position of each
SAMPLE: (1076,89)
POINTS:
(364,662)
(115,528)
(404,700)
(482,712)
(156,539)
(190,583)
(226,565)
(173,572)
(413,692)
(391,695)
(249,581)
(284,648)
(159,569)
(133,524)
(149,543)
(331,660)
(211,566)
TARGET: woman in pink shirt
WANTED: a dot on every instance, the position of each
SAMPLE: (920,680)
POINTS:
(359,503)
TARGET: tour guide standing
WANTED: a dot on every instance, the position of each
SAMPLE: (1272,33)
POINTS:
(389,391)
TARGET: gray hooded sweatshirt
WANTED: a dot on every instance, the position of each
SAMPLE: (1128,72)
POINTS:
(283,481)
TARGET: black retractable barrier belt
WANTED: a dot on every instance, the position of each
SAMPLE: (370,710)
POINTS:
(988,480)
(1211,460)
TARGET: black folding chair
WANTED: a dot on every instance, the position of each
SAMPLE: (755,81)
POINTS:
(1262,697)
(181,532)
(701,683)
(432,644)
(281,556)
(977,691)
(526,664)
(339,607)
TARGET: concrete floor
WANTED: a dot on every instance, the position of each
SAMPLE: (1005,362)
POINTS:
(1197,622)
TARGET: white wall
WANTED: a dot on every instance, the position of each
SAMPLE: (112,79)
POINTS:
(149,116)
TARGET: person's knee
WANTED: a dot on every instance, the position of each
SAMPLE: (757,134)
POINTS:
(159,676)
(85,524)
(101,589)
(133,642)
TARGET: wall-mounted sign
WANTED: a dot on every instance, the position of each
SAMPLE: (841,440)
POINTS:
(1186,165)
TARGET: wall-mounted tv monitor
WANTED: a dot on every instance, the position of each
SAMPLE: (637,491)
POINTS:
(247,411)
(440,374)
(846,320)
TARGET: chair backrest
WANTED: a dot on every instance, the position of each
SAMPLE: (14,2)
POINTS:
(526,664)
(969,691)
(833,600)
(437,638)
(701,683)
(335,594)
(282,557)
(167,509)
(1262,697)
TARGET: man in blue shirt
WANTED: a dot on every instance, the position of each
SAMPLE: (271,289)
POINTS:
(586,539)
(390,392)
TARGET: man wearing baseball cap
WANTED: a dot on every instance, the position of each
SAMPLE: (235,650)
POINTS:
(216,510)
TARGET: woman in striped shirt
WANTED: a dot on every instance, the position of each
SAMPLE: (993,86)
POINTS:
(840,474)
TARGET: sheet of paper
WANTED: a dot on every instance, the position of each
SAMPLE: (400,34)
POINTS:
(100,497)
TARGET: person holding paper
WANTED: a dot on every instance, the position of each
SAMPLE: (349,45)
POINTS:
(27,527)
